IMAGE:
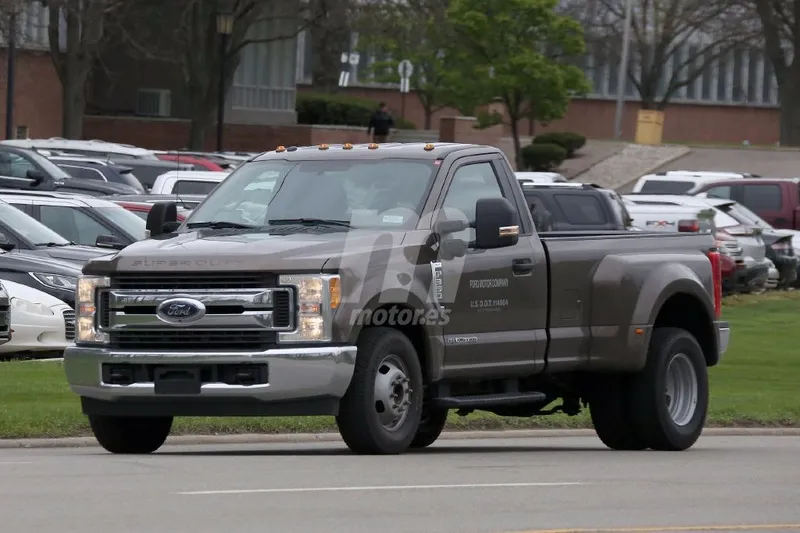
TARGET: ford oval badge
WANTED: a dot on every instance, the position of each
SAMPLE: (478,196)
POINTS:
(180,310)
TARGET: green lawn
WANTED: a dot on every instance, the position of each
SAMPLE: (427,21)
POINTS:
(757,384)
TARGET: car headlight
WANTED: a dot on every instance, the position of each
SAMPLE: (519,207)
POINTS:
(32,308)
(87,328)
(55,281)
(318,296)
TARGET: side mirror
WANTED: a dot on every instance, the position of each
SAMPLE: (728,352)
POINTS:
(496,223)
(162,218)
(446,227)
(35,176)
(5,244)
(108,241)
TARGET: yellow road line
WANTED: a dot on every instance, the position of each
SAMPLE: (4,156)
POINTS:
(671,529)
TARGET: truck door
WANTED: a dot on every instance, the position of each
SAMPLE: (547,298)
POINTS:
(498,297)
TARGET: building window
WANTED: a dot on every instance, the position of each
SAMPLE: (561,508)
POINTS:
(722,77)
(679,72)
(753,71)
(739,59)
(708,75)
(769,81)
(691,89)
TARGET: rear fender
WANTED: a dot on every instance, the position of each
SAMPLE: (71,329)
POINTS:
(628,291)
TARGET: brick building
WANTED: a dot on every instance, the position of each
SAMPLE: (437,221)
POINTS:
(734,100)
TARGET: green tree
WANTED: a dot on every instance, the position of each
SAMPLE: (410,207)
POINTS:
(514,51)
(410,29)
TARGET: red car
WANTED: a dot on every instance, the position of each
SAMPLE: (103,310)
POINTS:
(199,162)
(142,209)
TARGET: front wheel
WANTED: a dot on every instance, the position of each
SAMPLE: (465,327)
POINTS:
(130,435)
(669,398)
(380,412)
(431,426)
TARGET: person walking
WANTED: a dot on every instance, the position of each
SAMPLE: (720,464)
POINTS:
(380,123)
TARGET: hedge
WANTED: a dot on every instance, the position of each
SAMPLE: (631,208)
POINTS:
(339,110)
(571,142)
(543,157)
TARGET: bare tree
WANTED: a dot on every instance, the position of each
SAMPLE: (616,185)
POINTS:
(661,31)
(81,27)
(781,35)
(185,34)
(330,30)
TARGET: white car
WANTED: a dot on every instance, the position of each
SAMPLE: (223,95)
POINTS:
(540,177)
(187,182)
(681,181)
(39,322)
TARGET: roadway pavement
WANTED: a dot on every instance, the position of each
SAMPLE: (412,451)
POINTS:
(492,486)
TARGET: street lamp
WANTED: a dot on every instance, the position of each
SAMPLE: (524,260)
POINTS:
(12,52)
(623,69)
(224,29)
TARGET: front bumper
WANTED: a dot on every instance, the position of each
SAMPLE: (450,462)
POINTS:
(723,336)
(294,374)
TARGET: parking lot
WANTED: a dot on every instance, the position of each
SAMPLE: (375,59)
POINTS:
(492,486)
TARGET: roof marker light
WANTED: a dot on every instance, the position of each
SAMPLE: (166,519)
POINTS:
(429,147)
(372,146)
(323,146)
(347,146)
(280,149)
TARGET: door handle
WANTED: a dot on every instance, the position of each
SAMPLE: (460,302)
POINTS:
(522,266)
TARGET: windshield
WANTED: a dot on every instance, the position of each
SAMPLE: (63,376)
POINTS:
(387,193)
(28,227)
(666,187)
(48,166)
(129,222)
(745,216)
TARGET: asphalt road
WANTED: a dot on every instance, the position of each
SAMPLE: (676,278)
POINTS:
(493,486)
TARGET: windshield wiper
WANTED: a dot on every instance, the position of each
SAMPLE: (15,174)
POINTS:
(219,224)
(310,222)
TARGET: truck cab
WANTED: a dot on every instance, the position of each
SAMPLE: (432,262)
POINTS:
(388,285)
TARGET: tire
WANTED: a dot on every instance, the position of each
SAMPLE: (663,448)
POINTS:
(431,425)
(608,406)
(385,357)
(130,435)
(688,383)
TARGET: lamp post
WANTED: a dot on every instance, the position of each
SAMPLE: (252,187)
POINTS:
(12,52)
(623,69)
(224,29)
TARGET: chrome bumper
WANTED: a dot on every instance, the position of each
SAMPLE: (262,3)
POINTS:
(723,336)
(294,373)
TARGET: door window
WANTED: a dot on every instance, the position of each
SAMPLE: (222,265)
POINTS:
(722,191)
(72,224)
(85,173)
(762,197)
(471,183)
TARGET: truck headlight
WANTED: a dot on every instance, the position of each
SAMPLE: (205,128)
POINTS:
(87,329)
(318,296)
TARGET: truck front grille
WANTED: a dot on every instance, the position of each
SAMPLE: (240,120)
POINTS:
(195,341)
(182,281)
(69,324)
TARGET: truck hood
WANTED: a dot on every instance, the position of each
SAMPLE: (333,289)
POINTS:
(304,249)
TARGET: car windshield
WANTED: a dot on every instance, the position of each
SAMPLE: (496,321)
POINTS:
(387,193)
(666,187)
(129,222)
(28,227)
(48,166)
(745,216)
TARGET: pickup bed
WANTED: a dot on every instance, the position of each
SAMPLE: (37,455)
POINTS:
(388,285)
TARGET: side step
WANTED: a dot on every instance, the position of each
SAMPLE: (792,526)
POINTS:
(484,400)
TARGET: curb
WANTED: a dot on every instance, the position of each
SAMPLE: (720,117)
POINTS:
(300,438)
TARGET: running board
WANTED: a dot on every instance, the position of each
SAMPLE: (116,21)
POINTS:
(487,400)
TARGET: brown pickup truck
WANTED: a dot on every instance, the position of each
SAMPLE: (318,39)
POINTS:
(388,285)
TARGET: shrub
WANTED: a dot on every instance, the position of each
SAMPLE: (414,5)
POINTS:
(571,142)
(339,110)
(543,157)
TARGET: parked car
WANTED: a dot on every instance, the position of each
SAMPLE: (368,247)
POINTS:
(147,171)
(5,316)
(20,231)
(776,200)
(43,325)
(670,218)
(142,209)
(184,201)
(732,263)
(574,207)
(80,219)
(680,181)
(84,167)
(540,177)
(94,148)
(182,182)
(224,162)
(25,169)
(53,276)
(197,162)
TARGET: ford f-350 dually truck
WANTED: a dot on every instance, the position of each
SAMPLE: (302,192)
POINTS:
(387,285)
